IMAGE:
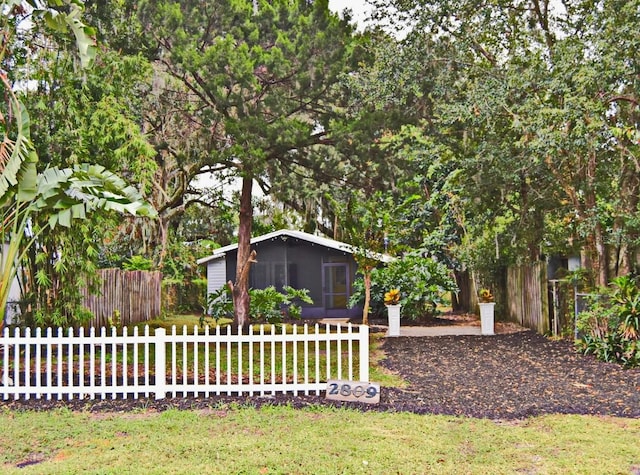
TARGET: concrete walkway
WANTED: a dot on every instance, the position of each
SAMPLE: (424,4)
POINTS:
(440,331)
(445,330)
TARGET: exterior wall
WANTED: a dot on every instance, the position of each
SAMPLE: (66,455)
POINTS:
(299,264)
(12,311)
(216,275)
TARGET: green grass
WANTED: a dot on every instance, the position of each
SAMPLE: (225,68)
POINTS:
(281,440)
(319,440)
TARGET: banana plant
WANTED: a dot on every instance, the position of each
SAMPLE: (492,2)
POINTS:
(61,195)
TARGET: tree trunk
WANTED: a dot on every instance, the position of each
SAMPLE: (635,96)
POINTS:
(461,300)
(367,296)
(601,252)
(240,289)
(164,239)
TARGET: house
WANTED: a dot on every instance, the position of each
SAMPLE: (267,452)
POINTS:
(325,267)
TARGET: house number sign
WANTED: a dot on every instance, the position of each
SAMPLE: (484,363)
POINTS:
(353,391)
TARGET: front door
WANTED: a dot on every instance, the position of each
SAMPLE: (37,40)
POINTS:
(336,289)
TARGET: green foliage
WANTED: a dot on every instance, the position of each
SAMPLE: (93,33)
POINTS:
(219,305)
(528,143)
(63,260)
(422,282)
(36,206)
(611,327)
(115,320)
(267,305)
(270,306)
(94,117)
(137,263)
(57,318)
(182,277)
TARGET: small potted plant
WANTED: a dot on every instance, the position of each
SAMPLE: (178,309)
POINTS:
(487,311)
(392,301)
(485,296)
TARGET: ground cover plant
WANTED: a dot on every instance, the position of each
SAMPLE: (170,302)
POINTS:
(267,305)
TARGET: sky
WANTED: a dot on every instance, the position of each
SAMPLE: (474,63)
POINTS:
(358,7)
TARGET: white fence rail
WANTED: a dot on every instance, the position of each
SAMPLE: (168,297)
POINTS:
(260,362)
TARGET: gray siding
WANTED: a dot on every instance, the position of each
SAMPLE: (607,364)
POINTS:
(303,262)
(216,274)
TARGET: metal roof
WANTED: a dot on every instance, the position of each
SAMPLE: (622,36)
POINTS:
(282,233)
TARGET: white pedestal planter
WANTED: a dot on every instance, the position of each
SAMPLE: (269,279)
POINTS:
(394,319)
(487,317)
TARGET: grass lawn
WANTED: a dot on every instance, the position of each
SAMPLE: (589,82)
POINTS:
(312,441)
(230,440)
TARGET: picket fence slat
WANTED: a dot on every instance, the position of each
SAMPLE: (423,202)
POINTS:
(110,365)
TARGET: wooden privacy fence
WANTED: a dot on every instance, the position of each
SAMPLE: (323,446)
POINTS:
(527,299)
(127,296)
(80,365)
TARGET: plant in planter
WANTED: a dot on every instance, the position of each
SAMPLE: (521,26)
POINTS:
(487,305)
(392,297)
(392,301)
(485,296)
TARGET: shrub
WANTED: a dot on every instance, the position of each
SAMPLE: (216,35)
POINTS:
(267,305)
(137,263)
(611,327)
(422,283)
(218,305)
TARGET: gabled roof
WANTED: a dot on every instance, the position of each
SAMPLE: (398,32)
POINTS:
(286,233)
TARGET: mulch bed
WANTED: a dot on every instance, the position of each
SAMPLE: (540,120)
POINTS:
(511,375)
(506,376)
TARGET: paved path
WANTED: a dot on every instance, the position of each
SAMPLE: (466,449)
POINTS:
(445,330)
(440,330)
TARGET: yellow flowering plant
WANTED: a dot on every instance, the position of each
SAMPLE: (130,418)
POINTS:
(485,296)
(392,297)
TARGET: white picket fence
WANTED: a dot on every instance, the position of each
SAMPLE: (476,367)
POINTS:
(66,365)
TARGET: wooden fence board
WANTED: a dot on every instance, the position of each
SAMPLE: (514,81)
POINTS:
(527,298)
(308,358)
(134,294)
